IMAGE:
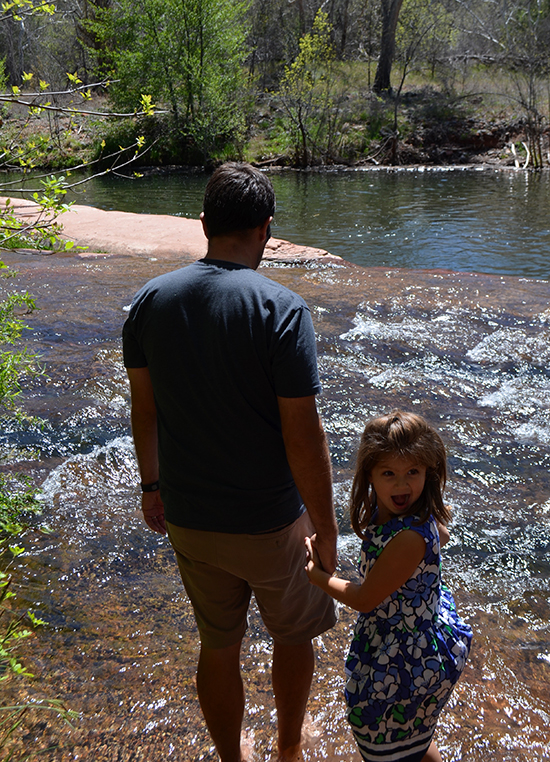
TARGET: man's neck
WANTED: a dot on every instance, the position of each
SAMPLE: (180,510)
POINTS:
(240,248)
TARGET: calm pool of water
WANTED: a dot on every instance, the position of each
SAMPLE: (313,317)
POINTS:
(490,221)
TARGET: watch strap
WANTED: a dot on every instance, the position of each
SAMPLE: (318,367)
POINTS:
(153,487)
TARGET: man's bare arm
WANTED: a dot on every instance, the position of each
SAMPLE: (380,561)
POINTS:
(144,430)
(309,460)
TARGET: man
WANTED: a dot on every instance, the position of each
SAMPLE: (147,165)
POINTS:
(223,377)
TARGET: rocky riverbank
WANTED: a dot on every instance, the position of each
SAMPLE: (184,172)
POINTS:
(425,128)
(470,141)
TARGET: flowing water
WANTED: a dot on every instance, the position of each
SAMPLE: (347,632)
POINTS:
(469,351)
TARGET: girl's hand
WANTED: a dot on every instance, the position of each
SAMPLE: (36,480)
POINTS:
(313,560)
(393,567)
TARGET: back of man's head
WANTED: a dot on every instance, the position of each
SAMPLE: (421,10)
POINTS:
(237,197)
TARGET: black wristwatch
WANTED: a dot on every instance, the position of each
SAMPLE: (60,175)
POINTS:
(153,487)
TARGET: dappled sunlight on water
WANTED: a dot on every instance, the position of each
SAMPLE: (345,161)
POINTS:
(470,352)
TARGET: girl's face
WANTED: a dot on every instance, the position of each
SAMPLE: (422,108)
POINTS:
(398,483)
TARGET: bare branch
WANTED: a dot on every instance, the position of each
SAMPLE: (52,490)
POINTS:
(23,13)
(481,27)
(69,186)
(71,110)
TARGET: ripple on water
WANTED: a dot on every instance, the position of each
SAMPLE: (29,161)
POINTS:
(105,472)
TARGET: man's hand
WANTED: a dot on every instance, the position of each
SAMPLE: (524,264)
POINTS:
(314,567)
(313,559)
(153,511)
(324,552)
(144,430)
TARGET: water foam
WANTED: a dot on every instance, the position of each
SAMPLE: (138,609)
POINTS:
(107,469)
(513,345)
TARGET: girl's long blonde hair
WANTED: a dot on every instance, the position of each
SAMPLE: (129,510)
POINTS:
(406,435)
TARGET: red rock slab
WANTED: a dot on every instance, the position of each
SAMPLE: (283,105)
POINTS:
(148,235)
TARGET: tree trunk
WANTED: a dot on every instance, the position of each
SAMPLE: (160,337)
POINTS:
(11,50)
(390,14)
(345,22)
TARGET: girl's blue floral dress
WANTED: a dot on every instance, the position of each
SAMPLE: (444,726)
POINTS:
(406,655)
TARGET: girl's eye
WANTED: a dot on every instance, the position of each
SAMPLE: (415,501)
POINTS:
(413,471)
(387,473)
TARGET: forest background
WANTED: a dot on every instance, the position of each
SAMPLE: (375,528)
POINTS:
(287,82)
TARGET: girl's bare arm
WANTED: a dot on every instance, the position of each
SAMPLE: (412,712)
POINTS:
(395,565)
(444,534)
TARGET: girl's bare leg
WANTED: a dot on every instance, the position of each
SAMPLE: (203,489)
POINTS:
(432,755)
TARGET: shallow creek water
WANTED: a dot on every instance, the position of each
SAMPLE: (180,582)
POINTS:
(470,352)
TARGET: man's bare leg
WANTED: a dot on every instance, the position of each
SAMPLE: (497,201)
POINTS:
(221,696)
(292,673)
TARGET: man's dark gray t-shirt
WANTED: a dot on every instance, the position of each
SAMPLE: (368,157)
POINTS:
(222,342)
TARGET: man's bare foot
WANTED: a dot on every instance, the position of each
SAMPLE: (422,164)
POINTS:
(311,734)
(293,754)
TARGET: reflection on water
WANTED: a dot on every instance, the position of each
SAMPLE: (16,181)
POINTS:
(470,352)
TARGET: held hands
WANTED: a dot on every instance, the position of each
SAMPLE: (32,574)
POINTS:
(325,551)
(153,511)
(314,567)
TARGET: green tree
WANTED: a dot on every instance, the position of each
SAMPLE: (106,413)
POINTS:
(16,16)
(424,28)
(189,54)
(528,52)
(309,96)
(274,32)
(26,145)
(14,361)
(424,36)
(17,496)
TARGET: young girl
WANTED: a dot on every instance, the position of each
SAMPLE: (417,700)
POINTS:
(409,646)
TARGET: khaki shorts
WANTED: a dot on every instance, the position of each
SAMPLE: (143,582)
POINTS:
(220,571)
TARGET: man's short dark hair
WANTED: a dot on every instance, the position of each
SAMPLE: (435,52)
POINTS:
(237,197)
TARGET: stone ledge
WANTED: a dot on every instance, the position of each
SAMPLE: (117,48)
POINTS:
(148,235)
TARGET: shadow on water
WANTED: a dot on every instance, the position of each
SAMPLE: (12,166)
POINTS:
(470,352)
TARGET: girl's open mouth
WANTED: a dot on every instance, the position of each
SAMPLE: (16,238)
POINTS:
(400,500)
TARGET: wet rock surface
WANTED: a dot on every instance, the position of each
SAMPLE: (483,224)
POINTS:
(98,233)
